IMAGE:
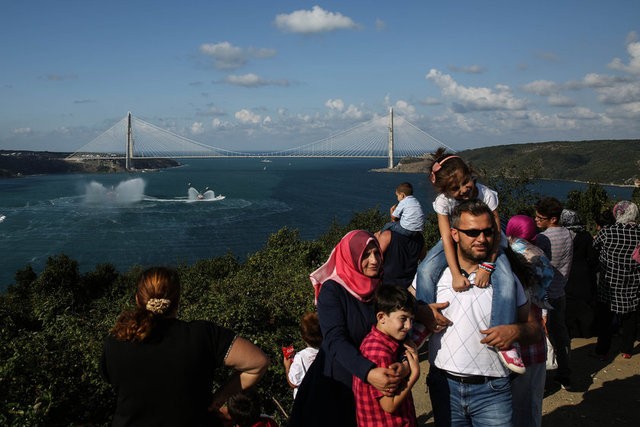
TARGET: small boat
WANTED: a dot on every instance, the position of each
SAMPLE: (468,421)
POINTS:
(265,161)
(206,196)
(2,217)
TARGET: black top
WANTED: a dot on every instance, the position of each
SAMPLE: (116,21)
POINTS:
(401,259)
(168,379)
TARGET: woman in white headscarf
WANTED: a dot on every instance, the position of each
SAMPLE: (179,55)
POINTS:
(619,280)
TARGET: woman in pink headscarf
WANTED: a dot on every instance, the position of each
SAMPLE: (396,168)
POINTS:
(344,287)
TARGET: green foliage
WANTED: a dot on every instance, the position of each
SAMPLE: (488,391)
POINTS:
(589,204)
(512,184)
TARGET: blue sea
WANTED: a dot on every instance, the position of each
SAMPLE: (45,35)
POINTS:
(147,218)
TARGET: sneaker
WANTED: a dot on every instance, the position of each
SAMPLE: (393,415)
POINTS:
(512,360)
(626,356)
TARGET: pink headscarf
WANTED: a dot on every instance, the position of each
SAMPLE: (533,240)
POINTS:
(344,267)
(521,226)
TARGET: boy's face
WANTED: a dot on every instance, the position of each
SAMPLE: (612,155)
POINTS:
(395,324)
(400,196)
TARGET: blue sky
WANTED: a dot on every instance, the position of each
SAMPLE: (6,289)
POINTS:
(277,74)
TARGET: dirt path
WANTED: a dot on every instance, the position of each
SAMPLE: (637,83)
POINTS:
(604,393)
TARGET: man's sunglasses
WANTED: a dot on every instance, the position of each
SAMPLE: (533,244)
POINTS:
(488,232)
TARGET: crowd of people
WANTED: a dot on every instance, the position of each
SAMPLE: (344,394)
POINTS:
(490,299)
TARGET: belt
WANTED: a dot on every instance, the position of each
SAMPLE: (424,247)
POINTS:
(471,379)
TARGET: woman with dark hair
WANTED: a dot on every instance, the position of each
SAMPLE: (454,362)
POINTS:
(162,368)
(344,287)
(619,281)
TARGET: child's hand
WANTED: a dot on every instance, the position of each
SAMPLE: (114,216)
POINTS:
(393,208)
(482,278)
(460,283)
(414,363)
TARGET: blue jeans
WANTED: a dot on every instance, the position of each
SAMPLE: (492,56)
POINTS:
(395,226)
(431,268)
(457,404)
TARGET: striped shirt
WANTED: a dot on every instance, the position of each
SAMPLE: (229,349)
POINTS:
(557,244)
(619,273)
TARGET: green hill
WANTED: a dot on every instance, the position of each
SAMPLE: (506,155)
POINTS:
(604,161)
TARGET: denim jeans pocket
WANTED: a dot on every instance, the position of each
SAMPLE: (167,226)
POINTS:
(500,384)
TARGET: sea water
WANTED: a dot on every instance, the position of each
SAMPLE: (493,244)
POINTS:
(148,218)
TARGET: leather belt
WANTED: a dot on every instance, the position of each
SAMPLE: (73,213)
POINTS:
(471,379)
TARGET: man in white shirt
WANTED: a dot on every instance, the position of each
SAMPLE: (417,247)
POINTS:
(468,384)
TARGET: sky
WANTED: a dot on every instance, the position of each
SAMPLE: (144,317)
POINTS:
(278,74)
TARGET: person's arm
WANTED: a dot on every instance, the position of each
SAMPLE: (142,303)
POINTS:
(249,364)
(483,276)
(392,403)
(459,282)
(384,240)
(526,331)
(287,362)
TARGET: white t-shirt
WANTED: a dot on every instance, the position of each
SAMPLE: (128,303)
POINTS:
(300,365)
(458,349)
(444,205)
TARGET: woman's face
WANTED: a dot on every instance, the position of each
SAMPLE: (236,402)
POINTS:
(371,260)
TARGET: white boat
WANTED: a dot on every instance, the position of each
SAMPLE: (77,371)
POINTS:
(2,217)
(265,161)
(206,196)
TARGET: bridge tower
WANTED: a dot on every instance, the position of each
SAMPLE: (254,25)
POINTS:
(127,164)
(390,138)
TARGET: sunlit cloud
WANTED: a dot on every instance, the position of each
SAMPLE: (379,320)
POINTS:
(253,80)
(633,49)
(316,20)
(247,117)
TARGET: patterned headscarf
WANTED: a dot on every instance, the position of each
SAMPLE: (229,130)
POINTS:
(521,226)
(344,267)
(625,212)
(571,220)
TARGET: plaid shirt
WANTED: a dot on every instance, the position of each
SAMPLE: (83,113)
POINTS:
(382,350)
(619,273)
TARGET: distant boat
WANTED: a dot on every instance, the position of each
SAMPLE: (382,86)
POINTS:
(265,161)
(2,217)
(207,195)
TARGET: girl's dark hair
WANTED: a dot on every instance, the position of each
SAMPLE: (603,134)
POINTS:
(158,295)
(310,329)
(449,164)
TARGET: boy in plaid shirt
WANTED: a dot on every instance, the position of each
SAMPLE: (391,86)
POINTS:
(384,345)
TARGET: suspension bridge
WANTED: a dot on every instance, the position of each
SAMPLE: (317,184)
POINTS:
(381,137)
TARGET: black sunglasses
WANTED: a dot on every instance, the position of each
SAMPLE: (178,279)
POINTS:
(488,232)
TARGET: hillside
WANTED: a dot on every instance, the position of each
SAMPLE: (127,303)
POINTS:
(606,162)
(18,163)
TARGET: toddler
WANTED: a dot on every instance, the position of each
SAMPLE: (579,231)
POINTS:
(297,366)
(407,217)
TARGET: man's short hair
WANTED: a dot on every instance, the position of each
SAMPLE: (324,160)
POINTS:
(474,207)
(549,207)
(390,298)
(405,188)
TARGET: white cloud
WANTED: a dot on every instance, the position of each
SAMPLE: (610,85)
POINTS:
(228,57)
(620,94)
(22,131)
(475,98)
(403,107)
(316,20)
(220,124)
(541,87)
(335,104)
(633,49)
(197,128)
(253,80)
(353,112)
(246,116)
(560,101)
